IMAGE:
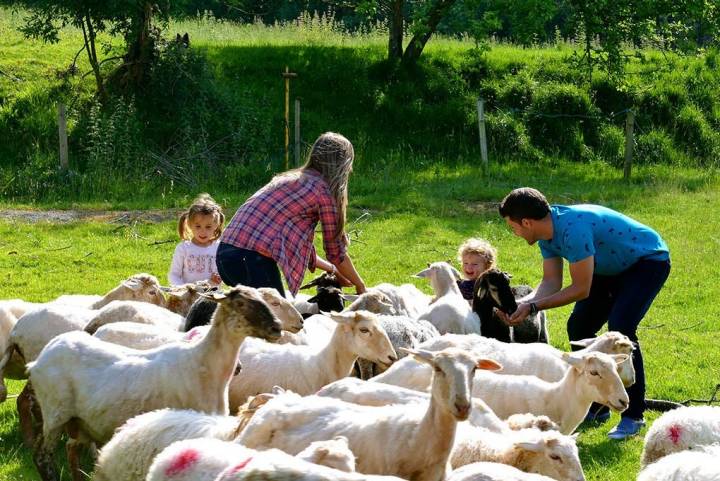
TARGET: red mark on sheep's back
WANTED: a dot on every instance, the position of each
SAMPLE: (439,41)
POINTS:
(240,466)
(182,462)
(674,433)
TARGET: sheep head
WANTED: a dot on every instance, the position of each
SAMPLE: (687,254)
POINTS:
(600,377)
(493,287)
(243,312)
(367,338)
(283,309)
(550,453)
(453,377)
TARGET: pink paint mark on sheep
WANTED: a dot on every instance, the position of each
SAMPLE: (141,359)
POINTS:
(182,462)
(192,334)
(674,433)
(229,472)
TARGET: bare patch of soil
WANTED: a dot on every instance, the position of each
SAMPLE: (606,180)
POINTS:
(67,216)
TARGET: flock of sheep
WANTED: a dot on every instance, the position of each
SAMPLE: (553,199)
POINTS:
(152,374)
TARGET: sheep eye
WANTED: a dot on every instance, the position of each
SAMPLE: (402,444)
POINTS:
(437,369)
(364,330)
(276,304)
(555,457)
(594,373)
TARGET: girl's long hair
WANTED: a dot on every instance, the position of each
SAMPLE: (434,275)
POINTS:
(332,155)
(202,205)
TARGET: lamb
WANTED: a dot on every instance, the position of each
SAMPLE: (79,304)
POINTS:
(538,359)
(366,393)
(202,310)
(417,438)
(450,312)
(402,331)
(548,453)
(492,291)
(403,300)
(305,369)
(140,287)
(592,378)
(214,460)
(328,296)
(493,472)
(679,430)
(700,465)
(138,336)
(93,387)
(134,311)
(130,452)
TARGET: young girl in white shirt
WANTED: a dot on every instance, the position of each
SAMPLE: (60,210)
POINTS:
(199,228)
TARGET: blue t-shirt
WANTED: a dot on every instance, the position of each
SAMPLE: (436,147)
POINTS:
(616,240)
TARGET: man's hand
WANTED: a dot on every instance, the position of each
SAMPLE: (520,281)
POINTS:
(522,311)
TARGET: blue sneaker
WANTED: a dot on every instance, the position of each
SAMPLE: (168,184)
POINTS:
(597,417)
(626,428)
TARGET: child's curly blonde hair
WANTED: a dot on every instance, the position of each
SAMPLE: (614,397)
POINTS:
(479,247)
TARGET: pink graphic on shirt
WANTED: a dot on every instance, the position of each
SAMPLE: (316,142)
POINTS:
(674,432)
(182,462)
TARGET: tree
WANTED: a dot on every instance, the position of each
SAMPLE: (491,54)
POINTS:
(136,21)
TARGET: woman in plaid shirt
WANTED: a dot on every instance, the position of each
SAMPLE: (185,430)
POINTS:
(275,227)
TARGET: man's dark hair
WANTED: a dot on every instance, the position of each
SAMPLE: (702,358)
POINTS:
(524,203)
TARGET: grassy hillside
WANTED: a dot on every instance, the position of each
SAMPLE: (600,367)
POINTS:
(212,116)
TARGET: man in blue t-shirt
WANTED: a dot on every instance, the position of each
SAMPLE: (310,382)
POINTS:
(617,267)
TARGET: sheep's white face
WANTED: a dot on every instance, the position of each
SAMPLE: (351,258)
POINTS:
(373,301)
(453,374)
(439,273)
(613,342)
(142,287)
(599,372)
(368,338)
(555,456)
(290,318)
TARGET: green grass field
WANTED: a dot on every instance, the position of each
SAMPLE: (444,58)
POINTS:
(421,216)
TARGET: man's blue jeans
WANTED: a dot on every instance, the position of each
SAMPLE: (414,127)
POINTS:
(622,301)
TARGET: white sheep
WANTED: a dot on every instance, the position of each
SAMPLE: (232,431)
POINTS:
(305,369)
(493,472)
(130,452)
(211,460)
(94,387)
(417,438)
(592,378)
(385,298)
(681,429)
(530,450)
(537,359)
(450,312)
(37,326)
(697,465)
(137,335)
(134,311)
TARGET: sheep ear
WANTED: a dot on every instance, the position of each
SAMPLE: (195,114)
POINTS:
(341,318)
(456,273)
(574,361)
(532,446)
(215,296)
(582,342)
(277,390)
(350,297)
(419,354)
(488,365)
(423,273)
(620,358)
(132,284)
(341,439)
(625,343)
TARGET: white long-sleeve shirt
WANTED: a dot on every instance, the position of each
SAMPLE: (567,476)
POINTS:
(192,263)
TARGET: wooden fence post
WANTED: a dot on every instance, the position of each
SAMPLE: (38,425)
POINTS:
(629,143)
(287,75)
(297,132)
(62,134)
(483,136)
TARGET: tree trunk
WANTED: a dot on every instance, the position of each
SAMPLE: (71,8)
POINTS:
(141,48)
(89,38)
(396,23)
(417,44)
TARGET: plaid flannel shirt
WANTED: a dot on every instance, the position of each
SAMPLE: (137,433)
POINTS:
(279,222)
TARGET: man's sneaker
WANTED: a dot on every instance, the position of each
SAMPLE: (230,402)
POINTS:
(597,417)
(626,428)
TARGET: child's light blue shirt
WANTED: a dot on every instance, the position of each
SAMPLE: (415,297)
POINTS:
(616,240)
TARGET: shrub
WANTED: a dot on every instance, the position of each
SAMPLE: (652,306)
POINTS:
(507,137)
(655,147)
(608,97)
(611,144)
(561,119)
(692,131)
(516,91)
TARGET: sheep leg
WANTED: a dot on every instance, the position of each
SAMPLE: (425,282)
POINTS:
(29,415)
(71,447)
(43,455)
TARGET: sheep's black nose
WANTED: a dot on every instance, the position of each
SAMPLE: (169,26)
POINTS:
(463,410)
(392,359)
